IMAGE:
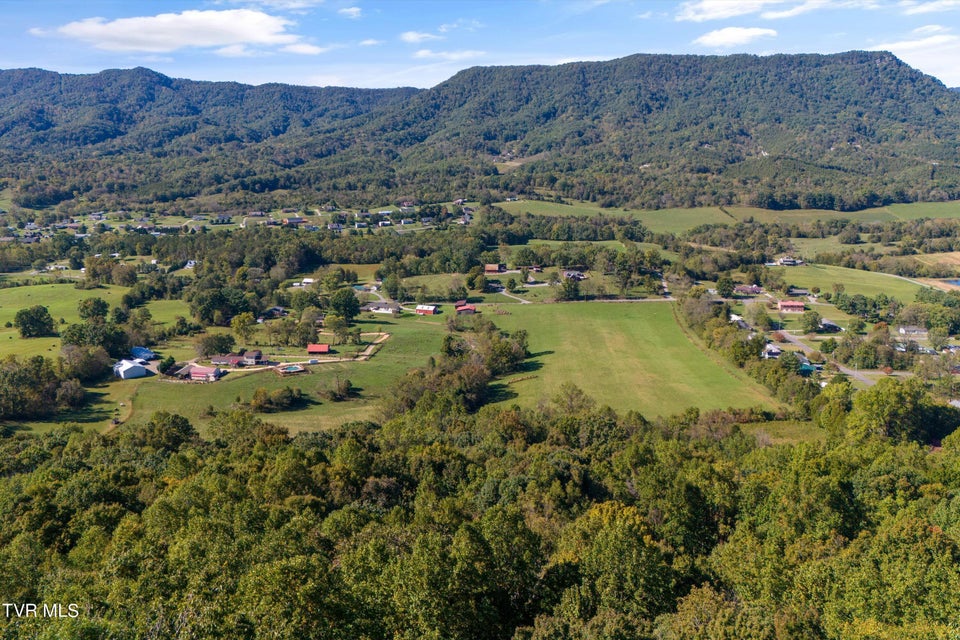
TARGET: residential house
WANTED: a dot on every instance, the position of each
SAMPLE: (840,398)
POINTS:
(913,331)
(772,351)
(426,310)
(791,306)
(204,374)
(229,360)
(789,261)
(748,289)
(253,357)
(830,326)
(494,268)
(381,307)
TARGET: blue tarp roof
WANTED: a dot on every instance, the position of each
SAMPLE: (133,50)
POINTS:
(142,353)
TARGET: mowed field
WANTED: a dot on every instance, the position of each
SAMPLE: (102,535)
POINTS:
(680,220)
(60,299)
(868,283)
(412,341)
(625,355)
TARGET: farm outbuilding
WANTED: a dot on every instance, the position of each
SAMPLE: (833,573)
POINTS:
(127,369)
(142,353)
(426,309)
(313,349)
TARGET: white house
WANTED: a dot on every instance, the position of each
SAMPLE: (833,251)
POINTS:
(127,369)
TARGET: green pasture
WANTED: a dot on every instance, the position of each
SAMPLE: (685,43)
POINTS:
(807,248)
(680,220)
(60,299)
(916,210)
(413,340)
(868,283)
(625,355)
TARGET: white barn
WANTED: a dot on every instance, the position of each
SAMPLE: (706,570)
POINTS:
(126,369)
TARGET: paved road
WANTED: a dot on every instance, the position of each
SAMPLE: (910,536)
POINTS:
(855,374)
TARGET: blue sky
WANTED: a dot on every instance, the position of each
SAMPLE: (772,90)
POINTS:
(390,43)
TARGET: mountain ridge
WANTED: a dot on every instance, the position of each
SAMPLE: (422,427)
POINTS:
(791,130)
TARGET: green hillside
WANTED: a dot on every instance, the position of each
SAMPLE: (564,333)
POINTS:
(844,132)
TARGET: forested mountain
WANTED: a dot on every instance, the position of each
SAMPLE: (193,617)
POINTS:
(841,131)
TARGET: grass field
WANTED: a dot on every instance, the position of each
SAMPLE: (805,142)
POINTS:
(412,341)
(680,220)
(948,259)
(60,299)
(625,355)
(807,248)
(855,281)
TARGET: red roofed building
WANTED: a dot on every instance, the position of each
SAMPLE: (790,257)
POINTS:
(314,349)
(791,306)
(205,374)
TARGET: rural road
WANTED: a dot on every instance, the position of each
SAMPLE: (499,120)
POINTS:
(503,292)
(855,374)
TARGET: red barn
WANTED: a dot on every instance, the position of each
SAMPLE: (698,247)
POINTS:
(314,349)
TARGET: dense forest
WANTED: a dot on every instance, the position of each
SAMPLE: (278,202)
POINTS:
(844,131)
(567,521)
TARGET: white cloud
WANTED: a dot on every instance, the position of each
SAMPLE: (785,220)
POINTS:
(235,51)
(449,56)
(704,10)
(415,37)
(468,25)
(289,5)
(805,7)
(327,80)
(934,54)
(929,30)
(166,32)
(733,36)
(351,12)
(911,7)
(304,49)
(370,42)
(930,42)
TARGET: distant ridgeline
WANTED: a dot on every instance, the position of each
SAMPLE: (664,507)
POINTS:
(844,131)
